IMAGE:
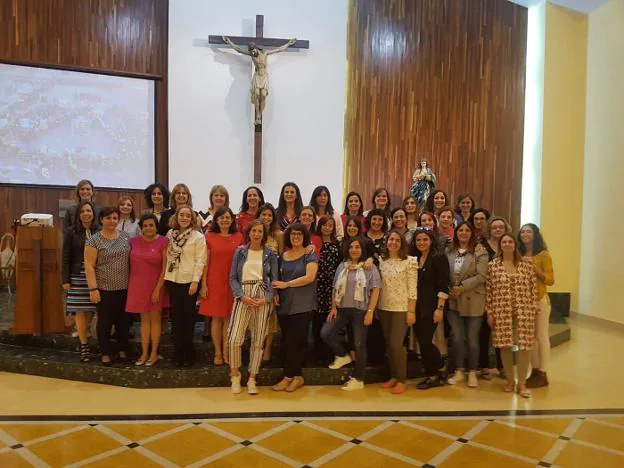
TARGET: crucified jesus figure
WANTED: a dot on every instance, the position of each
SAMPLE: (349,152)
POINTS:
(260,80)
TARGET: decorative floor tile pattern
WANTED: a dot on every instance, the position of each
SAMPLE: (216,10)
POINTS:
(364,441)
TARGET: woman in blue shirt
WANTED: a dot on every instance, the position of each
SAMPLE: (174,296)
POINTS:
(297,303)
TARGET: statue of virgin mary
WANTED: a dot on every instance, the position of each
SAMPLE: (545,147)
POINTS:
(424,181)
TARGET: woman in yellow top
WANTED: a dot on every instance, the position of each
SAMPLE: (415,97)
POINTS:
(532,245)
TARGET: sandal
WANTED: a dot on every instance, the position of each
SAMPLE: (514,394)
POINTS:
(85,354)
(510,387)
(218,360)
(151,361)
(524,392)
(140,361)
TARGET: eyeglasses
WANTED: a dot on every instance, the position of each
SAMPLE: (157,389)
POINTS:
(423,229)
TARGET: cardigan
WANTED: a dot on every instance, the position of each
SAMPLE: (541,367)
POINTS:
(543,261)
(499,304)
(192,261)
(471,302)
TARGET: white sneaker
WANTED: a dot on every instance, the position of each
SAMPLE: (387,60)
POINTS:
(340,361)
(236,386)
(472,379)
(251,387)
(353,384)
(456,378)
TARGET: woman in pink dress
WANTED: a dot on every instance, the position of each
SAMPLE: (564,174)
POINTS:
(216,296)
(148,259)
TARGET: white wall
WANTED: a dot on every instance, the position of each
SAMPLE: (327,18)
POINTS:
(211,118)
(602,258)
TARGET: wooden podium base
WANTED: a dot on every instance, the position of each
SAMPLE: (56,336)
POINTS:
(38,304)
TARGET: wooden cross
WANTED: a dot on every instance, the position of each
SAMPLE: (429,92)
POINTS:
(261,41)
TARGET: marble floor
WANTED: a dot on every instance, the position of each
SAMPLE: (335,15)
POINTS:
(577,421)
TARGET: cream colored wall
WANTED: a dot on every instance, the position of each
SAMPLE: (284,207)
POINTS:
(602,257)
(565,69)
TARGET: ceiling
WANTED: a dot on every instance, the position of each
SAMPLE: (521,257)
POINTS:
(583,6)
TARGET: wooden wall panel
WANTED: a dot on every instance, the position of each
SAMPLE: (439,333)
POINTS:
(442,77)
(118,36)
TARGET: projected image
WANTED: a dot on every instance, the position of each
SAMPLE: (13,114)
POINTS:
(57,127)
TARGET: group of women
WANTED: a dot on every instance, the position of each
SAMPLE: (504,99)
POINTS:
(438,274)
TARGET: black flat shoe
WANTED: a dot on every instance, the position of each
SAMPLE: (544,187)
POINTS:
(429,382)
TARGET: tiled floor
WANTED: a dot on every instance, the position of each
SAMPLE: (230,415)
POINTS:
(551,440)
(578,421)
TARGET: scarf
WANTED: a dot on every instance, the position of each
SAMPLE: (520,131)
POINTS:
(360,282)
(177,240)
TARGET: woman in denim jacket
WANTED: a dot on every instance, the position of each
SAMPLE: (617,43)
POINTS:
(254,266)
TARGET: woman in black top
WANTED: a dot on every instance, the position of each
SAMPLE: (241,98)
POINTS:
(376,226)
(433,289)
(156,198)
(74,279)
(330,256)
(84,192)
(180,195)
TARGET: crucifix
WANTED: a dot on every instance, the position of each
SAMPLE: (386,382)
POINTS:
(260,80)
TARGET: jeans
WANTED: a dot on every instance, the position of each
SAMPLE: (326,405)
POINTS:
(332,336)
(465,340)
(484,347)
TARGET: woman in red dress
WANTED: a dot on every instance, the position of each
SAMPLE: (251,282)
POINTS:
(148,260)
(216,295)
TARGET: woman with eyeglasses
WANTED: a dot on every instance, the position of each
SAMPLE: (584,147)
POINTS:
(479,219)
(433,292)
(468,268)
(297,302)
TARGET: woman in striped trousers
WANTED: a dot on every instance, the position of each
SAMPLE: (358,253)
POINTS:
(254,267)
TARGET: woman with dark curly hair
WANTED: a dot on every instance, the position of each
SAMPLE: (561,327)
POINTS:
(531,245)
(157,199)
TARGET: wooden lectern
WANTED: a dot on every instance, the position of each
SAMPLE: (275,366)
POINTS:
(38,304)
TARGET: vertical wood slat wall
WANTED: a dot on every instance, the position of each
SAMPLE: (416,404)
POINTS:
(442,77)
(123,36)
